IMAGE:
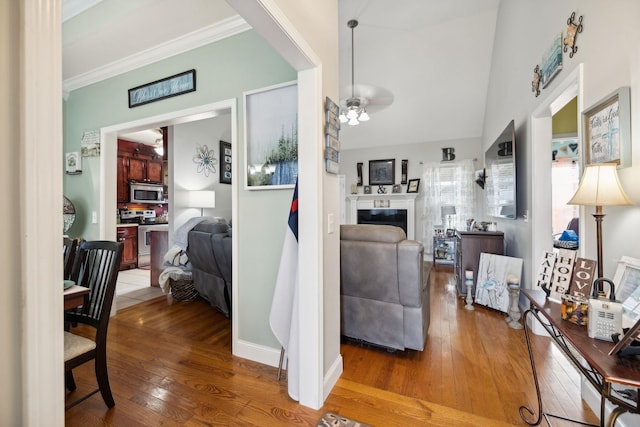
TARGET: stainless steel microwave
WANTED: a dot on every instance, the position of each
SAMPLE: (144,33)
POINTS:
(145,193)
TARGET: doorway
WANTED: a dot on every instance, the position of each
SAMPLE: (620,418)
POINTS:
(171,120)
(541,162)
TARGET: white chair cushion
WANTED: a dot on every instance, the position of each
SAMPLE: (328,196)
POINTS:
(75,345)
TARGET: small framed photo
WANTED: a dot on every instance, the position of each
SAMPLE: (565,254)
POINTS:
(367,189)
(396,189)
(414,184)
(382,172)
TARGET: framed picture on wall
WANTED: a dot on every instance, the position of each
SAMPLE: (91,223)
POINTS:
(271,137)
(225,162)
(382,172)
(608,129)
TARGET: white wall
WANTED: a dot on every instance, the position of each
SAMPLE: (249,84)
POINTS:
(417,154)
(608,48)
(186,137)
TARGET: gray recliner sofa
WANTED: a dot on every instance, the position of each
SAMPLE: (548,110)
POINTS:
(209,251)
(384,287)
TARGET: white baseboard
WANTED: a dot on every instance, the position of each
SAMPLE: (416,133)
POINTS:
(257,353)
(331,376)
(592,398)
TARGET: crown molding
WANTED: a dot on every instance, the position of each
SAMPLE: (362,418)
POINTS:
(201,37)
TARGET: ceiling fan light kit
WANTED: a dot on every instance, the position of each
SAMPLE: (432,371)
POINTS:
(355,111)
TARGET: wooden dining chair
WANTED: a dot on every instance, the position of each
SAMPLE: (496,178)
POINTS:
(96,267)
(69,248)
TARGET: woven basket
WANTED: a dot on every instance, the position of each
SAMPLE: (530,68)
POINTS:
(182,289)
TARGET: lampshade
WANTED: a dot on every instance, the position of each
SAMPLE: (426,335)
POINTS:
(202,199)
(600,186)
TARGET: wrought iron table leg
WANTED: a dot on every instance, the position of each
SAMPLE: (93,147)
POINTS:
(524,410)
(614,416)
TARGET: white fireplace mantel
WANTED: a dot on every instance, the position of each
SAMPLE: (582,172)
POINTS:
(400,201)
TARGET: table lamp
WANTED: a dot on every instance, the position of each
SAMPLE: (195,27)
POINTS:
(202,199)
(599,186)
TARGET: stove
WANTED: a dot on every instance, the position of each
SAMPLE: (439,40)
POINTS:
(138,216)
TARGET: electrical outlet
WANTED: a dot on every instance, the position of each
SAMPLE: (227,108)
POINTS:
(94,217)
(330,224)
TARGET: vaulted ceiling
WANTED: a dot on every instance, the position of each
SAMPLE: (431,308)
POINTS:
(431,58)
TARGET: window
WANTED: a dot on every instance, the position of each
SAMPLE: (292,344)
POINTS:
(449,198)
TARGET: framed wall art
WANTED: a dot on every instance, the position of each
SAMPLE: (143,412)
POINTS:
(382,172)
(608,129)
(491,286)
(271,137)
(225,162)
(551,61)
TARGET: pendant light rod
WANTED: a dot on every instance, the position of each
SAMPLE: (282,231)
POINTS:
(352,24)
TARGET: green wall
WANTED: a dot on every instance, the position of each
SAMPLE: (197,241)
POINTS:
(224,70)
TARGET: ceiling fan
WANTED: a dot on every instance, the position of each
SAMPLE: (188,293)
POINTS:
(363,97)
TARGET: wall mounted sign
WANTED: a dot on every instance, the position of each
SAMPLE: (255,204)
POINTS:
(331,132)
(164,88)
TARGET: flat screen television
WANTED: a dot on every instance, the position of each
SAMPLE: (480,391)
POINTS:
(500,175)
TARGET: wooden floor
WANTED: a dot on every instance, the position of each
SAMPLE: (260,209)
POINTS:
(171,364)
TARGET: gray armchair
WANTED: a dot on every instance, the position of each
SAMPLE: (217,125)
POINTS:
(384,287)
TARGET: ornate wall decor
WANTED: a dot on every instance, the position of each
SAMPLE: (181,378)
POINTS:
(572,31)
(205,160)
(535,83)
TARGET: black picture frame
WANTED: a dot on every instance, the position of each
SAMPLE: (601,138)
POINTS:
(382,172)
(225,162)
(414,185)
(175,85)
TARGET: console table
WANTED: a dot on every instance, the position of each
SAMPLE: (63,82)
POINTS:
(590,356)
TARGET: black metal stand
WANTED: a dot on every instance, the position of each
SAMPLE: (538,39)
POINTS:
(593,377)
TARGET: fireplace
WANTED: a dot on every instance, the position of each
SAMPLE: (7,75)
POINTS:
(392,209)
(397,217)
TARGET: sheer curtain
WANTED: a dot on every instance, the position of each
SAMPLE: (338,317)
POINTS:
(450,184)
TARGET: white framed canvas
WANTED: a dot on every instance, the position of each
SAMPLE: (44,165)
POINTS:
(491,285)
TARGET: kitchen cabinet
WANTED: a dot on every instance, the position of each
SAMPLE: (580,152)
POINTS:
(470,245)
(137,162)
(128,236)
(122,179)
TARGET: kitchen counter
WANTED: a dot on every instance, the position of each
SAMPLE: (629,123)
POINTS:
(126,225)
